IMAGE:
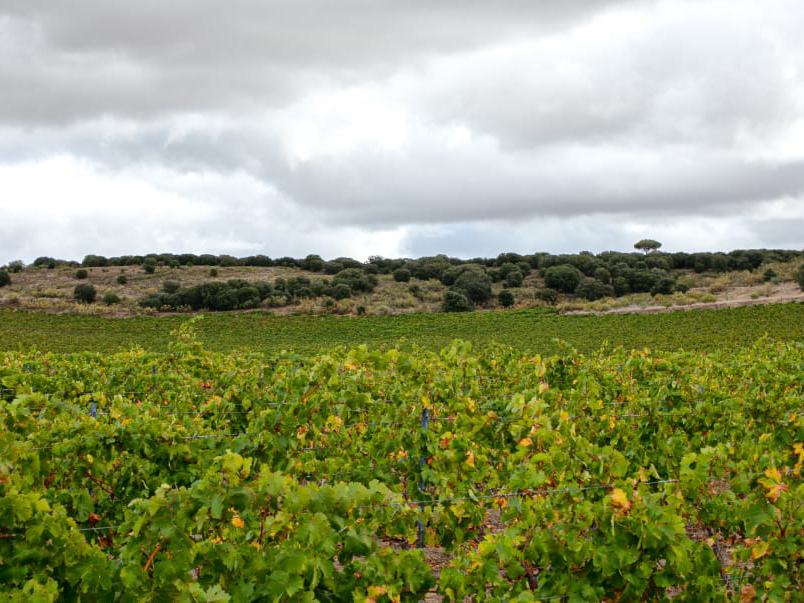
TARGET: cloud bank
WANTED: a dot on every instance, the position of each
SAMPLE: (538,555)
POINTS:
(358,129)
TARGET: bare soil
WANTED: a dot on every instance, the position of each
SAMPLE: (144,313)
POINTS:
(731,297)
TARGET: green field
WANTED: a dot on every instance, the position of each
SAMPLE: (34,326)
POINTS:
(532,330)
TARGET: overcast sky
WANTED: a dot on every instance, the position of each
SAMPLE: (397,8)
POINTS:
(399,128)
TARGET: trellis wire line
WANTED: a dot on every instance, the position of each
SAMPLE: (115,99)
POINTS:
(521,493)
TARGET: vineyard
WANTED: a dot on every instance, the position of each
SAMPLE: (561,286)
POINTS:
(382,474)
(532,330)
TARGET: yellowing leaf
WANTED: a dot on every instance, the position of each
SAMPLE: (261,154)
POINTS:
(619,500)
(775,491)
(376,591)
(238,522)
(470,459)
(543,387)
(759,549)
(773,473)
(526,442)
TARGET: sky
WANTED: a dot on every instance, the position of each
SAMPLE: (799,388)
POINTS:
(399,128)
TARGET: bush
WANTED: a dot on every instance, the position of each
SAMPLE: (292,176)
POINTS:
(149,267)
(603,275)
(769,275)
(247,297)
(313,263)
(591,289)
(621,286)
(475,284)
(798,276)
(340,291)
(564,278)
(110,299)
(524,268)
(5,278)
(548,296)
(401,275)
(81,274)
(664,286)
(213,272)
(332,267)
(507,268)
(16,266)
(514,279)
(454,301)
(506,298)
(122,280)
(170,286)
(85,293)
(356,280)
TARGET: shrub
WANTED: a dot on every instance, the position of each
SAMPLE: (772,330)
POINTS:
(664,285)
(564,278)
(507,268)
(769,275)
(5,278)
(85,293)
(514,279)
(548,296)
(621,286)
(332,267)
(340,291)
(149,267)
(798,276)
(247,297)
(81,274)
(642,281)
(110,299)
(170,286)
(524,268)
(361,310)
(603,275)
(356,280)
(122,280)
(313,263)
(475,284)
(16,266)
(213,272)
(506,298)
(401,275)
(454,301)
(591,289)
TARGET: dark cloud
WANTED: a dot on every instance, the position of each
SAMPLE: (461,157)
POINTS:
(67,61)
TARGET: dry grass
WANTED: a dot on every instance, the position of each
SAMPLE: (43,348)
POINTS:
(52,291)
